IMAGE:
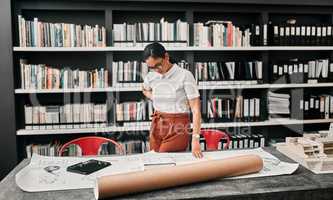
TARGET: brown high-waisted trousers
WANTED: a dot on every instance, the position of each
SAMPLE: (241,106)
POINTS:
(169,132)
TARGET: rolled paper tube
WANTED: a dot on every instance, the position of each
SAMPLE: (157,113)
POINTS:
(159,178)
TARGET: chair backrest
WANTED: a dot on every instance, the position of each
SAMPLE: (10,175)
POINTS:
(90,145)
(213,137)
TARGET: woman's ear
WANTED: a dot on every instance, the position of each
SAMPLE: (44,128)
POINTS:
(166,57)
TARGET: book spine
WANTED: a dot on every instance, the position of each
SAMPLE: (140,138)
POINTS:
(42,34)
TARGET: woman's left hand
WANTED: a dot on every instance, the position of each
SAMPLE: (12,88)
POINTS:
(196,149)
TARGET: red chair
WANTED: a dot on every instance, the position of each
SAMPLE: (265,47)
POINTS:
(213,138)
(90,145)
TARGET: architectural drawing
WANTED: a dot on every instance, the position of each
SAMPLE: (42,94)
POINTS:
(43,175)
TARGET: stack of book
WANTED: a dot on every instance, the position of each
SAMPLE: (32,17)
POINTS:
(135,146)
(234,109)
(86,115)
(294,71)
(259,35)
(140,34)
(225,34)
(238,141)
(134,111)
(109,149)
(311,106)
(301,35)
(51,149)
(42,76)
(278,105)
(43,34)
(249,72)
(184,64)
(244,141)
(128,72)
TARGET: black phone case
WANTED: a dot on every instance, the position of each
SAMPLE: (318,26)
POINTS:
(88,167)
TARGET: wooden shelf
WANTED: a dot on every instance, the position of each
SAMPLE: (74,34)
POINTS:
(190,48)
(145,127)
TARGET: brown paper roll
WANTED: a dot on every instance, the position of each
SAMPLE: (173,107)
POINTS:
(116,185)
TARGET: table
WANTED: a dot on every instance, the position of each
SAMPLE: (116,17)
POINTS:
(303,184)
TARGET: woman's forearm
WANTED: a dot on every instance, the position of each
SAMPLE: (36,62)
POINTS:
(196,122)
(196,114)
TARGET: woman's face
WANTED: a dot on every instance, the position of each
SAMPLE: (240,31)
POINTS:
(155,63)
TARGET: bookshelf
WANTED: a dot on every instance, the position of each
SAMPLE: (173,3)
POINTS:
(139,127)
(191,48)
(107,13)
(210,86)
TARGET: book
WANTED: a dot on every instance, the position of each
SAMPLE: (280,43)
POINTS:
(309,105)
(134,111)
(300,34)
(226,34)
(53,148)
(259,34)
(314,106)
(43,76)
(86,115)
(131,73)
(128,72)
(232,72)
(301,71)
(240,108)
(170,34)
(35,33)
(135,146)
(238,141)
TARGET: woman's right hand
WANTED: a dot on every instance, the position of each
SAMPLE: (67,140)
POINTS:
(147,93)
(196,148)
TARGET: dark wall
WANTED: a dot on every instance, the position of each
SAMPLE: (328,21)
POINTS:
(8,155)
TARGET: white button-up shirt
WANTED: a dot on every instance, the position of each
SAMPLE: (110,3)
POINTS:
(172,90)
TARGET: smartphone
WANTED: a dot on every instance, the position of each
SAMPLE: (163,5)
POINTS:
(88,167)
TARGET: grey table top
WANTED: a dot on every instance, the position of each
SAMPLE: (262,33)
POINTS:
(303,184)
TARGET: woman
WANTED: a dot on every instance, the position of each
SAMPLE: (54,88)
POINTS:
(174,93)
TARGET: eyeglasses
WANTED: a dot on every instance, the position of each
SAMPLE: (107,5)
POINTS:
(157,65)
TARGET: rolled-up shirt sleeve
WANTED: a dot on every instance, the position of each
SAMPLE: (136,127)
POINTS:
(190,86)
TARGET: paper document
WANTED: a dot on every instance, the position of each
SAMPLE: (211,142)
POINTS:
(272,165)
(49,173)
(34,177)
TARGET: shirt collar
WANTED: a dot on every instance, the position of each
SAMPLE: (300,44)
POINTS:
(171,71)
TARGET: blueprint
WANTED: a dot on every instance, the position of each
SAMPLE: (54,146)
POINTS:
(49,173)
